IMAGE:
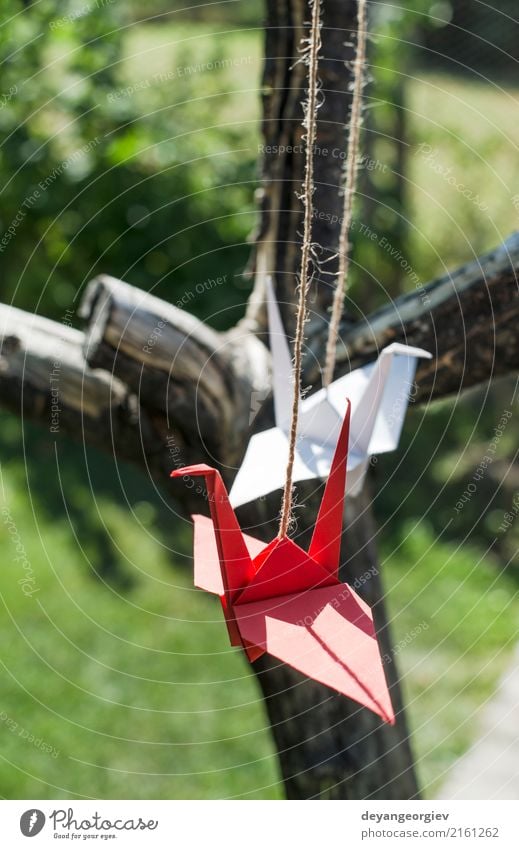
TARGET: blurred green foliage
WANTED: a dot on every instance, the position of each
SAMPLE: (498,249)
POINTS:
(113,158)
(473,38)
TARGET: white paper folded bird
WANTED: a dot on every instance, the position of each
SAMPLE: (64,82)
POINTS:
(379,395)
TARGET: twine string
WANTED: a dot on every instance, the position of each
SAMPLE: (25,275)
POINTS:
(310,125)
(349,187)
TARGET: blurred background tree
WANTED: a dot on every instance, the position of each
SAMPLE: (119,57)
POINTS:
(108,140)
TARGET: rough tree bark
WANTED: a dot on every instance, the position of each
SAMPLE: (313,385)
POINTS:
(154,385)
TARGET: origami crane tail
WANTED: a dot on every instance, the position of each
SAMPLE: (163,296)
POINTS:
(325,546)
(235,561)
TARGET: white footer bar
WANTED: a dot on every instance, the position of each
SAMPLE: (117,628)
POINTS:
(294,825)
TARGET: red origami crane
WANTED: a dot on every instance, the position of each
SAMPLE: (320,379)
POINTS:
(279,599)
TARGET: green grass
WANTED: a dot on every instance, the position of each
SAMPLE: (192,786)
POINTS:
(207,78)
(138,692)
(454,616)
(473,134)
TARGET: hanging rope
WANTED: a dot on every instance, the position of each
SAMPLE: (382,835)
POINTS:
(349,186)
(310,124)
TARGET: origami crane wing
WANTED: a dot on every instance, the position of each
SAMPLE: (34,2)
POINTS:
(326,634)
(263,468)
(380,393)
(382,390)
(208,574)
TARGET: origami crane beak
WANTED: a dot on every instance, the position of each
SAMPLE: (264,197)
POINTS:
(232,551)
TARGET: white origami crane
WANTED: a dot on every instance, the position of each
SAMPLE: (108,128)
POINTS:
(379,395)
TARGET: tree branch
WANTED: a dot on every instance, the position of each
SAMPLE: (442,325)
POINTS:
(146,372)
(153,373)
(177,366)
(467,319)
(44,378)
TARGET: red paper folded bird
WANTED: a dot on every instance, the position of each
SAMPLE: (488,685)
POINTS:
(278,599)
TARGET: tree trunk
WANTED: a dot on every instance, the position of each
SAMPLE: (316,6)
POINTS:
(328,746)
